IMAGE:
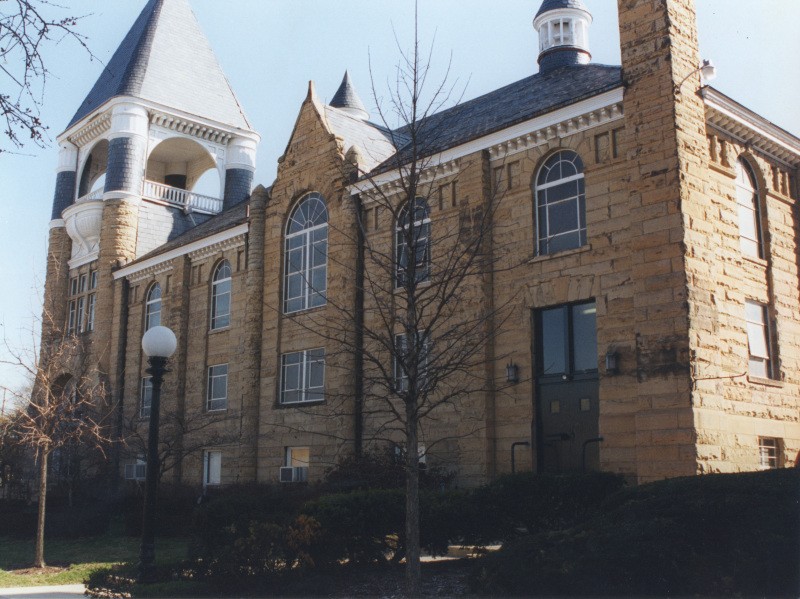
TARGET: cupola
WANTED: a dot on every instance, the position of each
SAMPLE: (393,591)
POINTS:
(563,28)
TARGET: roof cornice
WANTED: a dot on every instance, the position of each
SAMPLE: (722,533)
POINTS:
(568,120)
(728,116)
(159,114)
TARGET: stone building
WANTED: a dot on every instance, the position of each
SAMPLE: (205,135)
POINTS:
(645,245)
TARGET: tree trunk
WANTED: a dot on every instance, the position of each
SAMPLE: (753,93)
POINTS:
(413,572)
(38,561)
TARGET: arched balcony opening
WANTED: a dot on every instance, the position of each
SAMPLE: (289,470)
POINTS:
(183,173)
(93,173)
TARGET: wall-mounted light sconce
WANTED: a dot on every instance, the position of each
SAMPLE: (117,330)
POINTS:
(512,373)
(612,362)
(707,70)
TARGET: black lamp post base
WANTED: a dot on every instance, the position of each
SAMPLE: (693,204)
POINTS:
(147,565)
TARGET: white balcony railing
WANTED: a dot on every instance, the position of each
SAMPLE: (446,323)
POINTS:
(180,197)
(186,200)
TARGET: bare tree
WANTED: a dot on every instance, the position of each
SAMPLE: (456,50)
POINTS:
(27,28)
(419,333)
(65,406)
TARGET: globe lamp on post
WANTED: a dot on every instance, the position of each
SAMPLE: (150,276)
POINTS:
(158,343)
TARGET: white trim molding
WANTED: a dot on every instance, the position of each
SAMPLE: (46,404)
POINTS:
(583,115)
(744,125)
(236,235)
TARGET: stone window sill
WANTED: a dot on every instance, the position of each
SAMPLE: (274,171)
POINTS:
(766,382)
(219,330)
(562,254)
(300,404)
(757,261)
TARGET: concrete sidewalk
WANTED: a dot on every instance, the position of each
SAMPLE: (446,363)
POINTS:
(67,591)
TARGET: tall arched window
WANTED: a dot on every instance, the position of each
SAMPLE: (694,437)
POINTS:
(750,238)
(221,296)
(152,308)
(306,268)
(413,238)
(560,204)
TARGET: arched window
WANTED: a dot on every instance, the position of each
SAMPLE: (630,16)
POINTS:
(221,296)
(152,308)
(560,204)
(747,201)
(413,238)
(306,269)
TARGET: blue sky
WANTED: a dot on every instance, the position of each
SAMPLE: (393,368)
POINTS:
(270,49)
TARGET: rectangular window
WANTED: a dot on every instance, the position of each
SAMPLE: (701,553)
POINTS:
(405,360)
(137,470)
(295,465)
(217,391)
(212,468)
(769,453)
(759,341)
(567,339)
(82,302)
(146,396)
(303,376)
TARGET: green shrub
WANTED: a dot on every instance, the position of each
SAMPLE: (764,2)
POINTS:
(361,526)
(174,509)
(716,535)
(381,470)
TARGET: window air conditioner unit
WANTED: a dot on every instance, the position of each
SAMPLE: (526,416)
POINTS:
(289,474)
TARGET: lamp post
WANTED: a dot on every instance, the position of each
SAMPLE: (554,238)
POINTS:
(158,343)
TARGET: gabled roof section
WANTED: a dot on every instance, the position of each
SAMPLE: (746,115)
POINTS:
(165,58)
(375,143)
(526,99)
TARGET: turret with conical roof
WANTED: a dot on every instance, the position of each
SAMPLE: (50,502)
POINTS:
(563,27)
(346,98)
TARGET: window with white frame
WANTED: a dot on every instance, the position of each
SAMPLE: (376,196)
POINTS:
(306,255)
(217,391)
(145,396)
(221,296)
(769,453)
(413,244)
(759,340)
(298,459)
(136,470)
(212,468)
(82,302)
(303,376)
(152,310)
(748,206)
(560,204)
(408,357)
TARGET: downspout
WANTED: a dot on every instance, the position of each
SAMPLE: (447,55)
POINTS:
(120,384)
(358,366)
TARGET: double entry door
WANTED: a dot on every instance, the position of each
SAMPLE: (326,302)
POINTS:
(567,388)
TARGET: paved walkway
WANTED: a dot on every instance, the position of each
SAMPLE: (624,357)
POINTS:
(68,591)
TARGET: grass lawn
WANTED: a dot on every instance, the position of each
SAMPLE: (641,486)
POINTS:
(74,559)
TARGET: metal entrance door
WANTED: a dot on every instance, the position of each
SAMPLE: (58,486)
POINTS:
(567,388)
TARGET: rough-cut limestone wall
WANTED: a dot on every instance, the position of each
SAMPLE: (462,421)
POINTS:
(314,161)
(600,270)
(117,246)
(668,159)
(732,409)
(56,285)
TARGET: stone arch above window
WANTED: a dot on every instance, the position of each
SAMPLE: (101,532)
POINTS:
(560,199)
(152,307)
(748,206)
(221,287)
(413,238)
(306,255)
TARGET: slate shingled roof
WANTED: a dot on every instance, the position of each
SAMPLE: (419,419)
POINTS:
(166,58)
(232,217)
(521,101)
(556,4)
(375,143)
(347,98)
